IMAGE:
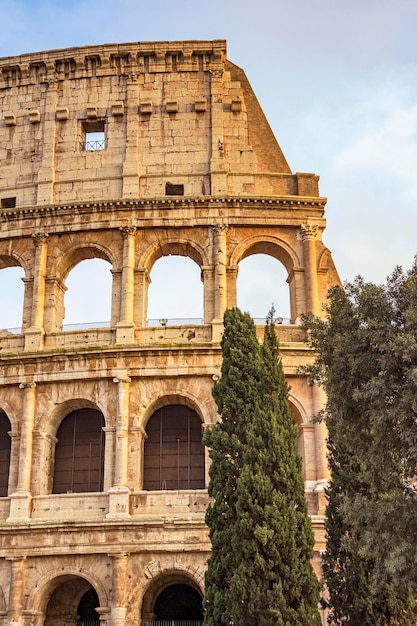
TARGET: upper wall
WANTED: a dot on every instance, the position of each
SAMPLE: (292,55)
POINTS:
(174,118)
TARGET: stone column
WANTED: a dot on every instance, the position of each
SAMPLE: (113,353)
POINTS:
(220,273)
(142,281)
(16,576)
(34,334)
(119,582)
(320,431)
(125,327)
(138,435)
(20,500)
(208,288)
(308,236)
(119,492)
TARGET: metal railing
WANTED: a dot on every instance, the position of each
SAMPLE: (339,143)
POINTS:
(172,622)
(93,146)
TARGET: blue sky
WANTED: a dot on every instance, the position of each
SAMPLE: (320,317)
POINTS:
(337,81)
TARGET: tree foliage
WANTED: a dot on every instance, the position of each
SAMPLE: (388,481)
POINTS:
(259,572)
(367,362)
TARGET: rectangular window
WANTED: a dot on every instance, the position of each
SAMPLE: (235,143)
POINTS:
(94,136)
(8,203)
(174,190)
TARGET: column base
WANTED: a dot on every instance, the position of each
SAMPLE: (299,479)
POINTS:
(20,507)
(34,338)
(321,496)
(119,503)
(125,332)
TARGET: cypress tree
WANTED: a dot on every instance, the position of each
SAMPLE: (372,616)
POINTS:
(262,542)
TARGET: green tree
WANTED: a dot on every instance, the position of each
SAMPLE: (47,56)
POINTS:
(367,362)
(260,570)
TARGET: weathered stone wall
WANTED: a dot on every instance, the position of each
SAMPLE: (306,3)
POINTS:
(189,166)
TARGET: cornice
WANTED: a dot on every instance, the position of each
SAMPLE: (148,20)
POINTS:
(112,59)
(209,202)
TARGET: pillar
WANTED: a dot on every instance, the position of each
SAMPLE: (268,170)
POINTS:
(20,500)
(34,334)
(308,236)
(119,582)
(125,327)
(320,431)
(119,492)
(220,279)
(16,577)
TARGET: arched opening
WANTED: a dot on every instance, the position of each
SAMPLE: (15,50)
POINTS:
(12,292)
(174,451)
(5,446)
(261,283)
(86,611)
(176,292)
(88,296)
(73,602)
(178,605)
(79,453)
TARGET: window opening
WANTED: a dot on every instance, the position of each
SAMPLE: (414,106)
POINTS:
(88,295)
(261,283)
(175,295)
(79,454)
(174,452)
(174,190)
(5,445)
(12,293)
(94,136)
(180,603)
(8,203)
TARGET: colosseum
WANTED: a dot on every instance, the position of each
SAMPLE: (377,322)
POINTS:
(129,153)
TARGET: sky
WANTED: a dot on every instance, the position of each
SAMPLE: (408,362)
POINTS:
(337,82)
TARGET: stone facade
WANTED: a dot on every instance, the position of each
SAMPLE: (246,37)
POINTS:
(129,153)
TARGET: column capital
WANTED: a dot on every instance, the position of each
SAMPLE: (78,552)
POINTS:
(27,385)
(218,229)
(128,231)
(308,232)
(40,238)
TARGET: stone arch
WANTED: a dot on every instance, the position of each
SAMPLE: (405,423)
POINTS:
(83,252)
(41,593)
(5,407)
(169,246)
(273,246)
(47,440)
(278,249)
(164,248)
(160,580)
(65,408)
(182,397)
(298,410)
(173,451)
(13,261)
(61,265)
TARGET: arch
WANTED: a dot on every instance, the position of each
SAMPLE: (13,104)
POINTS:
(262,282)
(273,246)
(298,410)
(88,293)
(41,593)
(65,408)
(79,453)
(162,582)
(83,252)
(175,291)
(5,451)
(182,397)
(174,454)
(179,247)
